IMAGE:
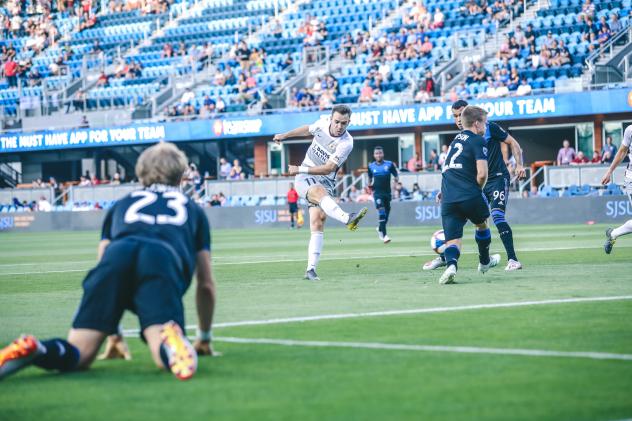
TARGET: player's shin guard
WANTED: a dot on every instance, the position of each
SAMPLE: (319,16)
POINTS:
(484,240)
(452,254)
(314,249)
(506,235)
(331,208)
(59,355)
(382,220)
(622,230)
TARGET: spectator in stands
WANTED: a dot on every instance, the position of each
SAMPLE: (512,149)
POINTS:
(288,63)
(116,179)
(220,105)
(596,159)
(103,80)
(615,24)
(352,194)
(433,161)
(426,47)
(43,205)
(224,168)
(438,19)
(11,72)
(566,154)
(84,182)
(426,88)
(167,51)
(524,88)
(243,55)
(38,183)
(462,92)
(35,78)
(529,35)
(365,196)
(222,198)
(443,155)
(401,192)
(94,180)
(579,159)
(187,97)
(215,201)
(236,172)
(417,193)
(608,151)
(84,123)
(414,164)
(366,93)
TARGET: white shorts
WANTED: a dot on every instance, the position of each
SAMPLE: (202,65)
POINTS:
(627,182)
(304,182)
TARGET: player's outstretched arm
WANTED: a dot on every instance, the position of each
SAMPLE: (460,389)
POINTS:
(302,131)
(325,169)
(621,153)
(516,151)
(103,244)
(205,294)
(481,172)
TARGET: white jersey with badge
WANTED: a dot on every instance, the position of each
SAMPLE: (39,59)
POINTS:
(627,141)
(324,148)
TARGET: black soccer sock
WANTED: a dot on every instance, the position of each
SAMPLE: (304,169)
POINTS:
(442,256)
(506,236)
(382,220)
(452,254)
(59,355)
(484,240)
(292,220)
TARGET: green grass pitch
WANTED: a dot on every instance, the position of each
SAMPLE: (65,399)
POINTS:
(495,362)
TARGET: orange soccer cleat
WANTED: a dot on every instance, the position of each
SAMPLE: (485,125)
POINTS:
(178,351)
(19,354)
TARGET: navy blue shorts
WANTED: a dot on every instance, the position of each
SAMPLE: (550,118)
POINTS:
(497,193)
(455,215)
(293,207)
(382,201)
(138,275)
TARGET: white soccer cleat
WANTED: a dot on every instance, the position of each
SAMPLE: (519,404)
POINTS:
(448,276)
(435,263)
(379,234)
(494,259)
(386,239)
(513,265)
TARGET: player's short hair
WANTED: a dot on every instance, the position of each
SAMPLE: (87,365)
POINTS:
(459,104)
(162,163)
(472,113)
(341,109)
(378,148)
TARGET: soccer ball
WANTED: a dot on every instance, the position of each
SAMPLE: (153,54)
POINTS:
(437,242)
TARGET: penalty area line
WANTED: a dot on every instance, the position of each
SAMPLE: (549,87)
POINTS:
(429,348)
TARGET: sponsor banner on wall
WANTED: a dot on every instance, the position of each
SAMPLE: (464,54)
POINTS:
(503,109)
(566,210)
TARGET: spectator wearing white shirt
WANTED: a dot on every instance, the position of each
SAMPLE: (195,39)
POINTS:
(224,168)
(524,88)
(44,205)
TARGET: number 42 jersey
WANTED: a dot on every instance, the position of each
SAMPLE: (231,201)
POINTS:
(459,171)
(161,215)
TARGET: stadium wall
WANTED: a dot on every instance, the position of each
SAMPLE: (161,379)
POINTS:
(564,210)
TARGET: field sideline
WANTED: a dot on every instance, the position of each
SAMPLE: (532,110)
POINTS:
(375,339)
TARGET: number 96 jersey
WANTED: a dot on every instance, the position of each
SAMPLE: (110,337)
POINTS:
(164,216)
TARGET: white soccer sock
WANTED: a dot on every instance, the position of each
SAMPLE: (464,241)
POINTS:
(331,208)
(314,249)
(622,230)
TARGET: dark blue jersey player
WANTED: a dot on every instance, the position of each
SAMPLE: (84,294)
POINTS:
(464,175)
(497,188)
(380,173)
(153,240)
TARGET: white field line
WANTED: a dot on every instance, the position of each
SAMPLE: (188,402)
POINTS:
(255,262)
(430,348)
(132,332)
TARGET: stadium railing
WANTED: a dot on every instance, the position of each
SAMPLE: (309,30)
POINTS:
(30,195)
(561,177)
(101,193)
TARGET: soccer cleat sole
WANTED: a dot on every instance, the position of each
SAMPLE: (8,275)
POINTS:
(353,224)
(181,354)
(18,355)
(447,278)
(607,247)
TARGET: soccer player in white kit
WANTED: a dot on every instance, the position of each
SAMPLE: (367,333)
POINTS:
(316,177)
(613,233)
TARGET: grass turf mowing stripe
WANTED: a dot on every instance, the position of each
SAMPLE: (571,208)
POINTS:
(346,257)
(430,348)
(132,332)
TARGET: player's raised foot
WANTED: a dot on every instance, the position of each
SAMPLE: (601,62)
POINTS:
(354,219)
(435,263)
(177,352)
(494,259)
(448,275)
(609,241)
(386,239)
(513,265)
(310,275)
(19,354)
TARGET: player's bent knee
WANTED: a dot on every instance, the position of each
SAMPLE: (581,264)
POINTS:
(316,193)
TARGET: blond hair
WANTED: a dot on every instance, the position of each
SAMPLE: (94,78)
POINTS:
(162,163)
(472,113)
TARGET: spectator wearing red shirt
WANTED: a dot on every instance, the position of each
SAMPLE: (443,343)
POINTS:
(580,159)
(292,201)
(11,72)
(596,159)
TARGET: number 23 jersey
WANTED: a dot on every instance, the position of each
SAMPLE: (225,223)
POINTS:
(161,215)
(459,171)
